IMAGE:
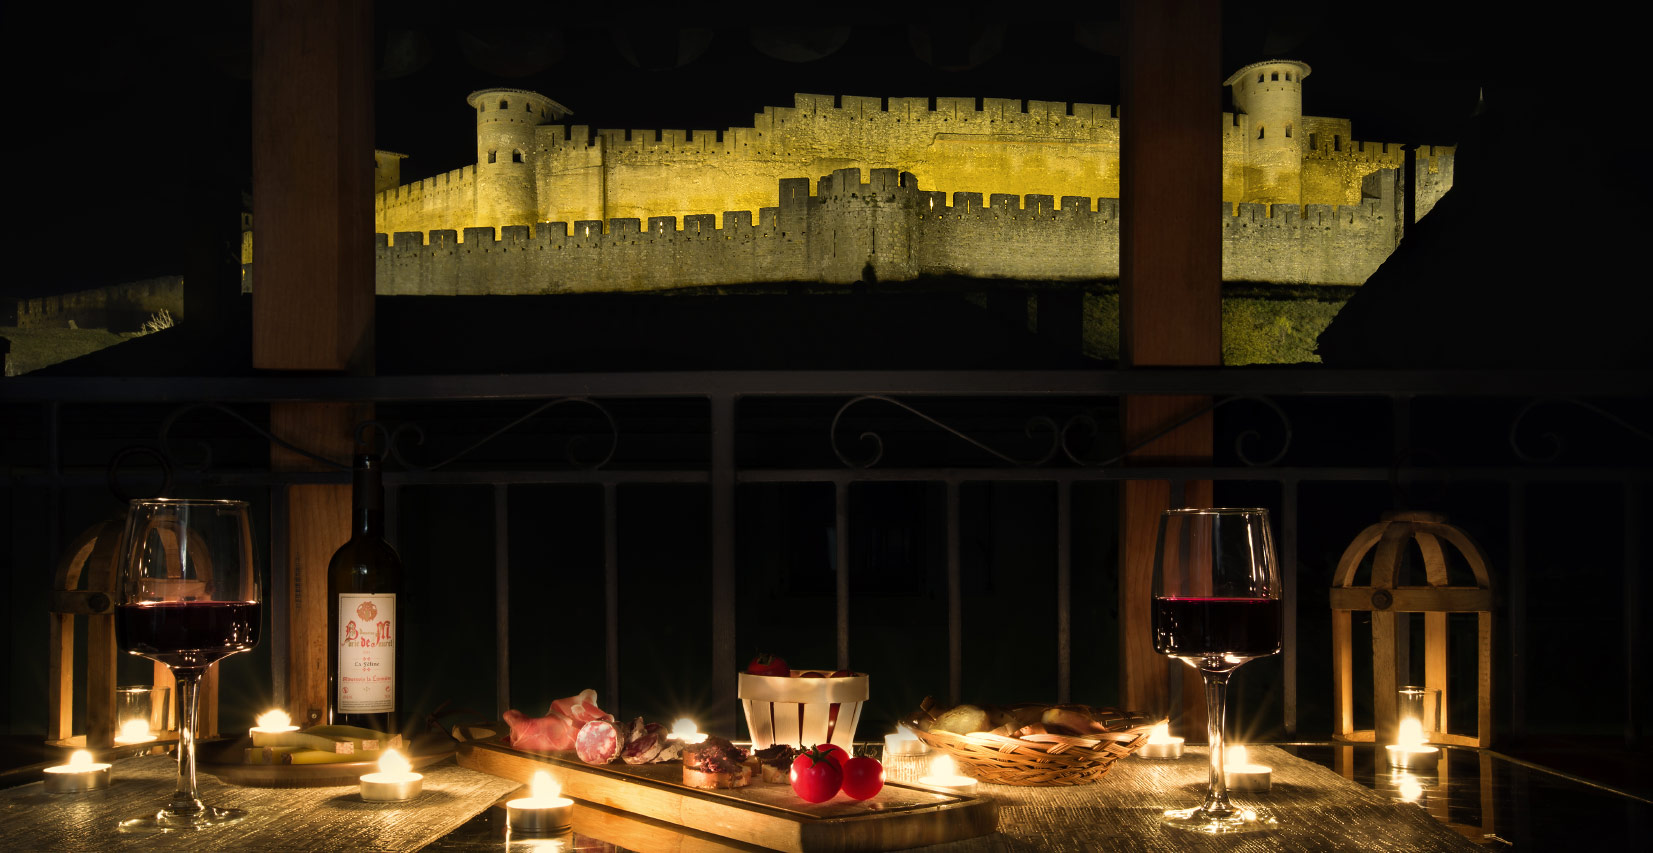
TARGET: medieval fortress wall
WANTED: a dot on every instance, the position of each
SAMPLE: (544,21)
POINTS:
(851,229)
(584,210)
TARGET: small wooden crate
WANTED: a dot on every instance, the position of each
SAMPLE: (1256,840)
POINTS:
(1038,760)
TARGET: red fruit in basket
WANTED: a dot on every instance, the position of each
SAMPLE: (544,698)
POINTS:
(811,674)
(768,664)
(815,776)
(863,778)
(842,673)
(834,752)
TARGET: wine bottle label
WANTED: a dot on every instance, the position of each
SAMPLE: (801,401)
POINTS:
(367,653)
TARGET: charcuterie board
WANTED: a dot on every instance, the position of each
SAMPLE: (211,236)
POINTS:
(763,814)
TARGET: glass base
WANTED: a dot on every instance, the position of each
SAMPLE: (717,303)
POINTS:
(164,821)
(1241,819)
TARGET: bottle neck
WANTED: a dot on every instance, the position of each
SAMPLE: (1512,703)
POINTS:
(368,501)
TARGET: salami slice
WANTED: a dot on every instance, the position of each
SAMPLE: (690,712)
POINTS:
(645,747)
(597,742)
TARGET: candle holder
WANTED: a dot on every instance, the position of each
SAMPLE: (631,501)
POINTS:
(542,812)
(80,774)
(394,782)
(1161,745)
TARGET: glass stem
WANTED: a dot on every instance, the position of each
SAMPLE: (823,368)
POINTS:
(184,799)
(1216,692)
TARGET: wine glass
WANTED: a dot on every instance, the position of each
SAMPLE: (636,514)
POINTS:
(187,597)
(1216,605)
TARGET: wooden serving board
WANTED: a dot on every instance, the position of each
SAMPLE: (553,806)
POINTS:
(768,815)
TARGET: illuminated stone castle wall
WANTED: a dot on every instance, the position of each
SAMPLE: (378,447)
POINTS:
(885,227)
(531,171)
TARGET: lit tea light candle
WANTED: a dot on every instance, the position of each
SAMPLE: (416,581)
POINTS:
(1161,744)
(904,742)
(1239,774)
(269,724)
(1409,752)
(80,774)
(684,730)
(134,731)
(394,782)
(543,811)
(943,774)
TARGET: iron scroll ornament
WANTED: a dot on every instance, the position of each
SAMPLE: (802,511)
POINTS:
(393,437)
(390,438)
(1036,424)
(1061,435)
(1557,443)
(1089,424)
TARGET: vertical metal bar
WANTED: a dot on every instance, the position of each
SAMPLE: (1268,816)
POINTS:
(841,539)
(1518,608)
(723,683)
(1064,591)
(1633,520)
(1289,575)
(54,485)
(1179,493)
(955,598)
(502,600)
(611,592)
(1402,448)
(280,610)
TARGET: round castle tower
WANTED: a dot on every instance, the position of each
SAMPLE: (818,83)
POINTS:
(505,184)
(1270,94)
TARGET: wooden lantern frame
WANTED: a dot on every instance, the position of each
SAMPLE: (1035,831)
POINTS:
(1389,537)
(95,557)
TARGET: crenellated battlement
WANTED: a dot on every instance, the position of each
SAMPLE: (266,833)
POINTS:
(1389,154)
(879,219)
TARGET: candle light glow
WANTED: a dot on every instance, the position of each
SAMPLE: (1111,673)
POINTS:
(1239,774)
(944,774)
(134,731)
(684,730)
(1161,743)
(1410,751)
(394,782)
(904,742)
(543,810)
(80,774)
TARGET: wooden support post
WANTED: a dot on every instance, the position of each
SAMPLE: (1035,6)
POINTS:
(1170,288)
(313,300)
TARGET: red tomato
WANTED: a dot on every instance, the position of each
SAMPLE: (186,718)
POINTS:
(842,673)
(834,752)
(811,674)
(815,777)
(768,664)
(863,778)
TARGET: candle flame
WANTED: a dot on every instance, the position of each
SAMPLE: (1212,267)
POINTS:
(684,730)
(904,733)
(543,787)
(1236,755)
(134,730)
(393,762)
(942,765)
(274,719)
(1160,733)
(80,759)
(1411,734)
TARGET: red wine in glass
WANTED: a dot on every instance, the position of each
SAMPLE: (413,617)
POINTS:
(188,597)
(1235,629)
(1216,605)
(187,633)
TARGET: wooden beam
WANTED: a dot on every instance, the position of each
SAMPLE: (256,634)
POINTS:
(313,184)
(313,300)
(1170,289)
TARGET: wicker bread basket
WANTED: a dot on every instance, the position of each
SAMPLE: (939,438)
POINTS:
(1040,759)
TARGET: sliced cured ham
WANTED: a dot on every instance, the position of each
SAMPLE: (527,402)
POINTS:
(581,708)
(598,742)
(550,733)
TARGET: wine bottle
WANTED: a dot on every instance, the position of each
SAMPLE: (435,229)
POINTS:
(364,620)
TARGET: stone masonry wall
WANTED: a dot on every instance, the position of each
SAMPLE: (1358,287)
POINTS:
(885,227)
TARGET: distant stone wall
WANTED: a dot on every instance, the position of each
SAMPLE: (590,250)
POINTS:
(885,228)
(117,307)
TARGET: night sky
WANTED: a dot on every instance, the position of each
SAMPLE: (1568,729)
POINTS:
(146,108)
